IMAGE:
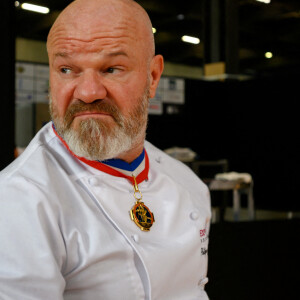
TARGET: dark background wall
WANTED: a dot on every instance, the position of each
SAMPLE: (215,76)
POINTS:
(254,124)
(254,260)
(7,82)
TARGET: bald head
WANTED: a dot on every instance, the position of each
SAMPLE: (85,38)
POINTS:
(92,19)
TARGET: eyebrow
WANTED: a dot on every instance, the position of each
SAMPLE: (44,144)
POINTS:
(119,53)
(111,54)
(61,54)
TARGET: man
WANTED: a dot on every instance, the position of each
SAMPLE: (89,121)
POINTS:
(91,210)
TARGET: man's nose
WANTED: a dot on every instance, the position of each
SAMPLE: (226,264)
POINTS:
(90,87)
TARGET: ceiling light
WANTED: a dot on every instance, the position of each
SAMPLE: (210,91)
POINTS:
(190,39)
(17,3)
(268,55)
(264,1)
(153,29)
(35,8)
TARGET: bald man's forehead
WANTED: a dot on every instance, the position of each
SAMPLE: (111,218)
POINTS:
(92,36)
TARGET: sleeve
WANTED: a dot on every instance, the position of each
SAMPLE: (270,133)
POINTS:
(32,249)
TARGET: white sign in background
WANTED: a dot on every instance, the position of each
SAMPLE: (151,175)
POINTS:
(173,90)
(32,82)
(170,90)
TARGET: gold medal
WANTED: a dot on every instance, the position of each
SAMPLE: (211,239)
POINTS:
(140,214)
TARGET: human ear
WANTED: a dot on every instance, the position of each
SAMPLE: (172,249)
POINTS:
(156,69)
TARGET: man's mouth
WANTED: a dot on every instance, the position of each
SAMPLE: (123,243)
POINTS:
(97,111)
(91,114)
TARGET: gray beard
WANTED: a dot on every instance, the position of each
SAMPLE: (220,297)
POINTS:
(97,140)
(93,143)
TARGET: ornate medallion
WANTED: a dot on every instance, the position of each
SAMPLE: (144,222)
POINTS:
(142,216)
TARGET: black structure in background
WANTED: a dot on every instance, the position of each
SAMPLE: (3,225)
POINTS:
(254,260)
(221,33)
(254,124)
(7,83)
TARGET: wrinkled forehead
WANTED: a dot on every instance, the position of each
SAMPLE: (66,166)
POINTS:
(91,30)
(93,39)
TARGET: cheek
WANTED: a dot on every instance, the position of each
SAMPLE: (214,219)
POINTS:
(61,94)
(124,100)
(127,96)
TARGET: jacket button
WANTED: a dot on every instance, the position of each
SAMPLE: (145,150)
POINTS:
(194,215)
(203,282)
(158,159)
(136,238)
(93,181)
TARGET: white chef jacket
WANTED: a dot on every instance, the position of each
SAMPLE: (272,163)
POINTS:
(66,232)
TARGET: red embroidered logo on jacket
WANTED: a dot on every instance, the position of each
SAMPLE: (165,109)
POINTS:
(202,232)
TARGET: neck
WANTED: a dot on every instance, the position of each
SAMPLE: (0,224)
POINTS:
(132,154)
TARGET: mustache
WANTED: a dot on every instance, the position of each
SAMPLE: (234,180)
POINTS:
(97,106)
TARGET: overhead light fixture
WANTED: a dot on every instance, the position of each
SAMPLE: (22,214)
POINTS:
(268,55)
(153,29)
(35,8)
(190,39)
(264,1)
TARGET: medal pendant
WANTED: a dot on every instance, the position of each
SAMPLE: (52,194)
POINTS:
(142,216)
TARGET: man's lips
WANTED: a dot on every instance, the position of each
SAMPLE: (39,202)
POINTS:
(91,113)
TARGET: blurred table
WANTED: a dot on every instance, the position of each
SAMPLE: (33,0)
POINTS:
(238,187)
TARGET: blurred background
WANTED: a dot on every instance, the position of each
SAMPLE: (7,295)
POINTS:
(227,103)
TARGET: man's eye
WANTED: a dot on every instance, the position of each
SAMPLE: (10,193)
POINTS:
(110,70)
(65,70)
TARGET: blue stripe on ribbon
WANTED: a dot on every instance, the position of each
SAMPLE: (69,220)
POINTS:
(123,165)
